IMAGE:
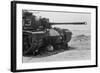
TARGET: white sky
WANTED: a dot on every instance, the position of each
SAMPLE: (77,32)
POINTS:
(67,17)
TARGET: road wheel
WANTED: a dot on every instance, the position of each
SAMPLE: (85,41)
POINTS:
(50,48)
(64,46)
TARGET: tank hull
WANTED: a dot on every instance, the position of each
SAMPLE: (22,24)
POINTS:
(32,43)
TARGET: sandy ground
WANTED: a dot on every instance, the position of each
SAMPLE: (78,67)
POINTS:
(79,50)
(65,56)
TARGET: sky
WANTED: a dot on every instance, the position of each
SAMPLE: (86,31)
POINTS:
(66,17)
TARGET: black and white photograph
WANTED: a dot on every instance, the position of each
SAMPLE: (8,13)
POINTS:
(51,36)
(56,36)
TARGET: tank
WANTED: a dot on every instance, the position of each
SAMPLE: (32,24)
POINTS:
(38,34)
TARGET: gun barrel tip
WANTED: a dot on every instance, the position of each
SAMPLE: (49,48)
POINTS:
(85,23)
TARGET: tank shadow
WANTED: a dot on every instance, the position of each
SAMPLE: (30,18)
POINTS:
(45,53)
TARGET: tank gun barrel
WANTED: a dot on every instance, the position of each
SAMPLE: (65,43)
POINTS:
(70,23)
